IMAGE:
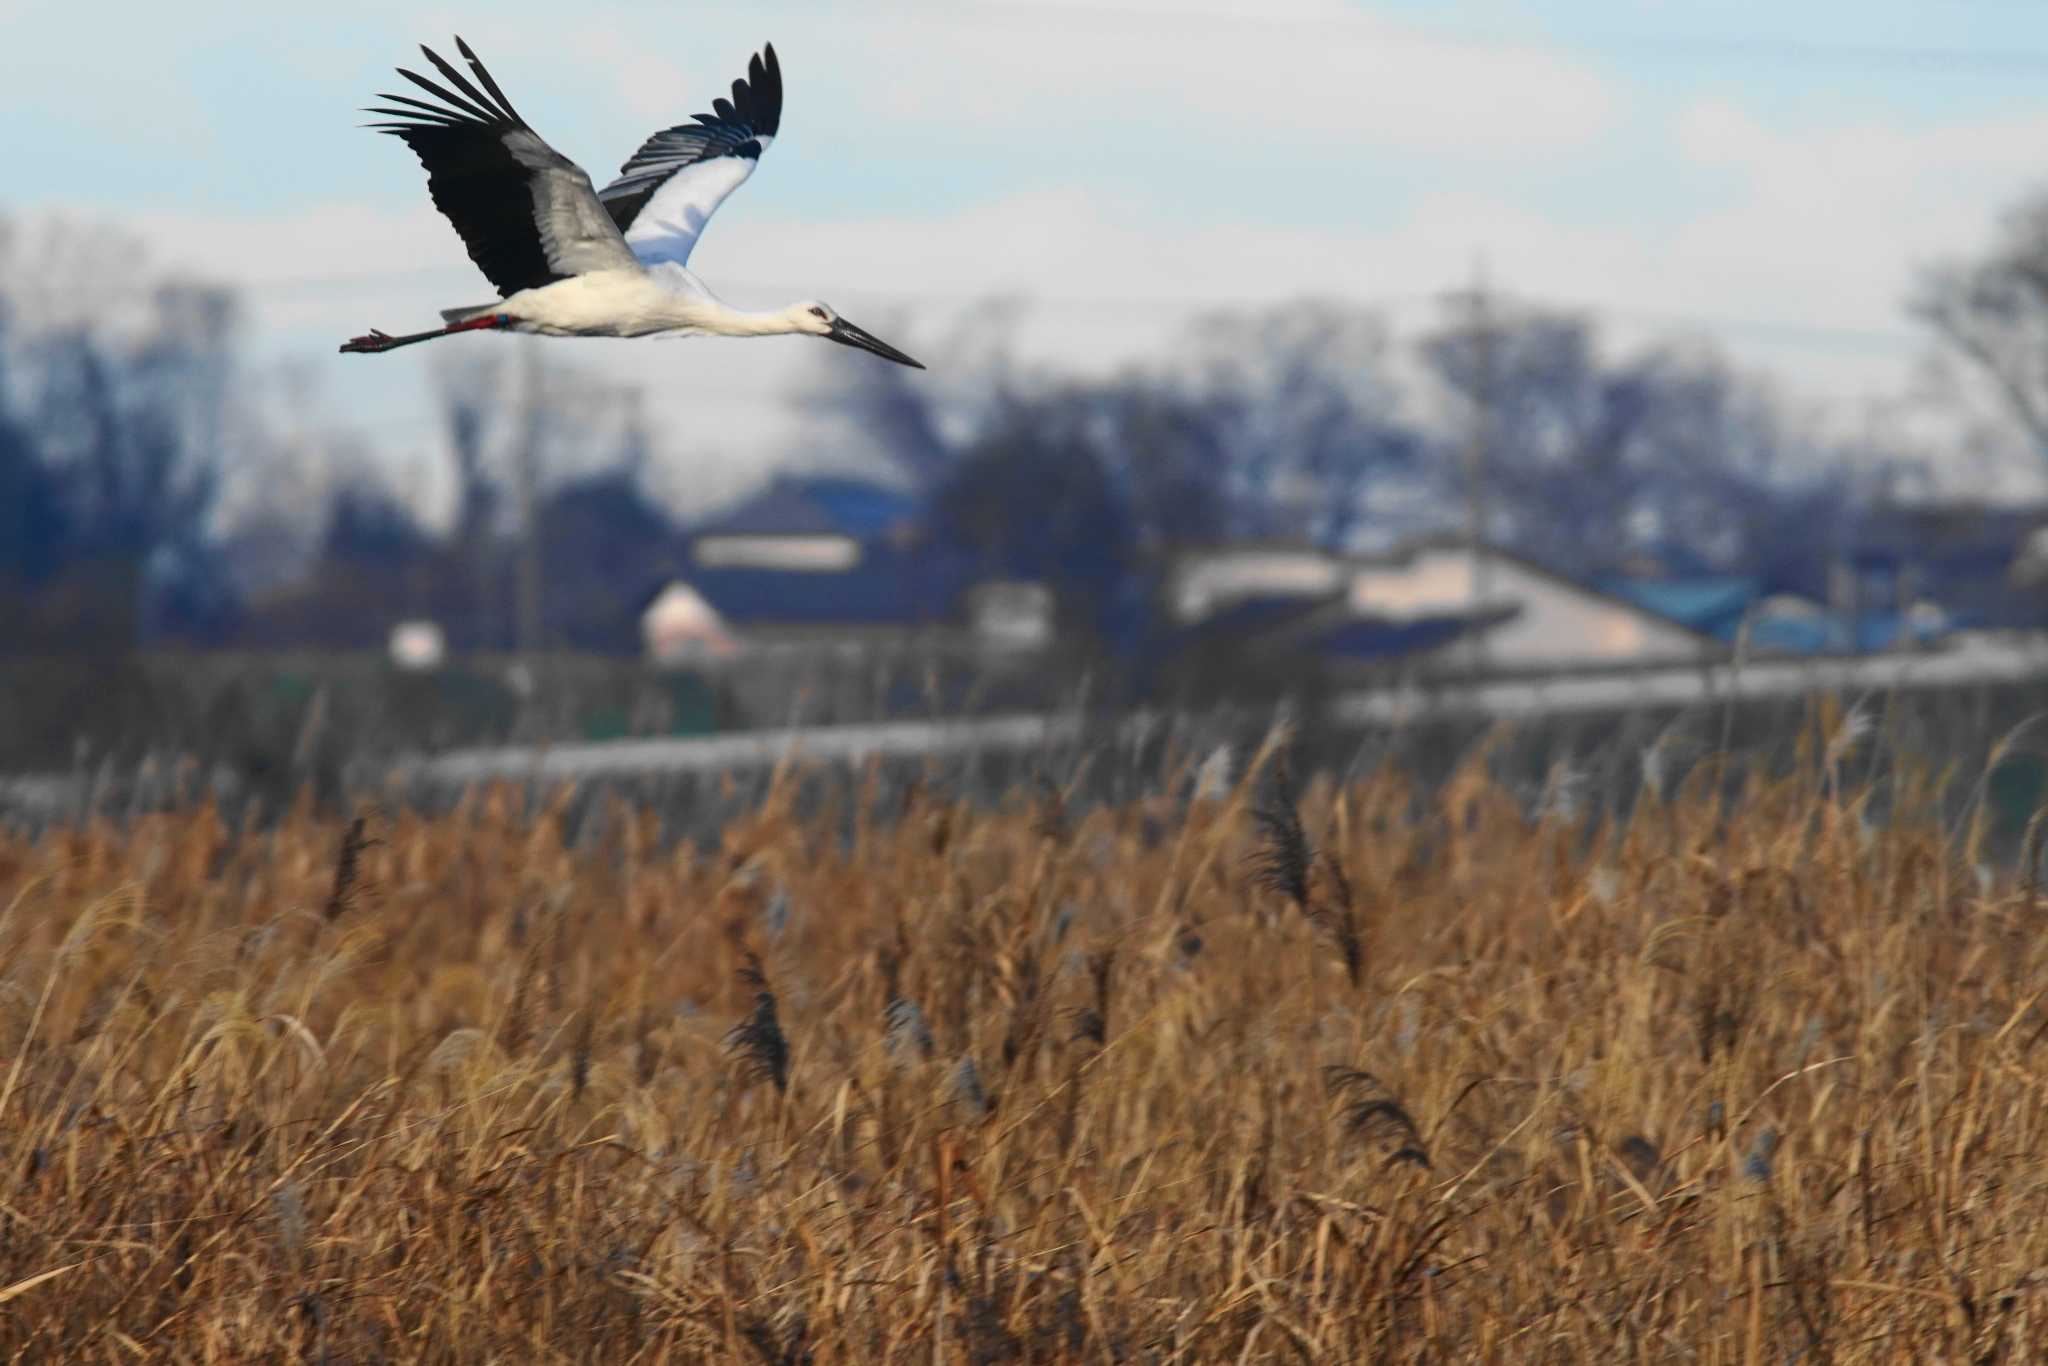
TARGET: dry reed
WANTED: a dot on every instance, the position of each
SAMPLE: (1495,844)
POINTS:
(1743,1077)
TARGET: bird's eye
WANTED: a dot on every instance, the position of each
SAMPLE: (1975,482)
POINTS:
(818,313)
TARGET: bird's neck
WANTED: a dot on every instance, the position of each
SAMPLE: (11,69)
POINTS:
(694,306)
(746,322)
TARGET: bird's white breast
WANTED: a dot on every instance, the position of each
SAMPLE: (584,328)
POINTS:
(606,304)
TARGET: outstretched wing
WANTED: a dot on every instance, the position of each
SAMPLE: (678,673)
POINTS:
(679,177)
(527,213)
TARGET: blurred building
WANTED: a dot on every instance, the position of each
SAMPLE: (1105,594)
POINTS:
(1292,617)
(1971,562)
(834,564)
(680,627)
(1909,579)
(1415,605)
(1010,614)
(1536,619)
(819,562)
(1206,582)
(418,646)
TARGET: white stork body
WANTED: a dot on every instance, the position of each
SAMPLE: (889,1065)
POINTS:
(658,300)
(572,262)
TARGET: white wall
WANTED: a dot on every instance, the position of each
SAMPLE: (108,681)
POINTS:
(1558,623)
(816,554)
(1218,578)
(679,624)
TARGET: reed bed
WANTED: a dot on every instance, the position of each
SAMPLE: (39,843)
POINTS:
(1238,1070)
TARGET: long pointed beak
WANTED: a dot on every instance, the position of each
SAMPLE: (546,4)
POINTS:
(846,334)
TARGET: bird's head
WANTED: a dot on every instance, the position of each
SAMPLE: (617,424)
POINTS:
(822,320)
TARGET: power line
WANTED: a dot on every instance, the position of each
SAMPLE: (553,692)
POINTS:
(1808,336)
(295,284)
(1816,336)
(1919,58)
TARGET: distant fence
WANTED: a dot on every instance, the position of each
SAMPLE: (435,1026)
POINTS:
(986,751)
(1983,662)
(624,759)
(1562,694)
(40,795)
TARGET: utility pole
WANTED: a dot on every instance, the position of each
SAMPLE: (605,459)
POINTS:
(527,477)
(633,433)
(1482,336)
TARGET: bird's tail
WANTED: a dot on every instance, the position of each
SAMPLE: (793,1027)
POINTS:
(463,315)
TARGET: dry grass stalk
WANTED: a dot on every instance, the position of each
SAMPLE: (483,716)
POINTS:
(353,842)
(757,1042)
(1749,1071)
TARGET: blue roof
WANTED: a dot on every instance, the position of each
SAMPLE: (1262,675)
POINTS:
(1834,633)
(860,508)
(793,506)
(1674,559)
(1366,638)
(1803,635)
(1725,606)
(886,588)
(1711,604)
(1260,612)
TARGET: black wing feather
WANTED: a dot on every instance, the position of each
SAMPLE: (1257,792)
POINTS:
(461,82)
(475,179)
(477,66)
(443,93)
(414,109)
(734,129)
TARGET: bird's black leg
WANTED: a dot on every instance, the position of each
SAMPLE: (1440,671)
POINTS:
(374,341)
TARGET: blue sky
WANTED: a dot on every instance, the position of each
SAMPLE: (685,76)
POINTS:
(1768,176)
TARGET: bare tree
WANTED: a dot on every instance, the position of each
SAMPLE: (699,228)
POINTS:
(517,436)
(127,409)
(1591,456)
(1992,315)
(1034,497)
(470,388)
(920,423)
(1306,416)
(1172,458)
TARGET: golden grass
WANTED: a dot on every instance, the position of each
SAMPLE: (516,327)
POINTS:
(1732,1081)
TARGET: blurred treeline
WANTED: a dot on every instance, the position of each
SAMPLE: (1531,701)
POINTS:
(162,491)
(158,488)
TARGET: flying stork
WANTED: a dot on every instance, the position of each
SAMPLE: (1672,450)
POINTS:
(573,261)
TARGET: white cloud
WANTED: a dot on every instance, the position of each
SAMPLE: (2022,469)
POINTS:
(1352,79)
(1112,289)
(1832,222)
(1814,228)
(1104,78)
